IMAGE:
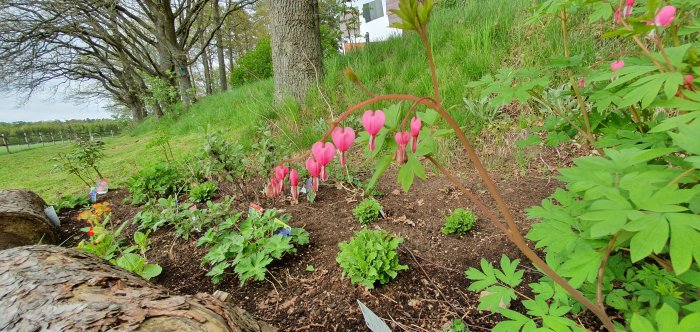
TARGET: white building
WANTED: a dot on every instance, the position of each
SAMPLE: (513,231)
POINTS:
(373,18)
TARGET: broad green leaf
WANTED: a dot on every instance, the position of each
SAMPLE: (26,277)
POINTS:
(130,262)
(684,240)
(667,318)
(151,271)
(405,177)
(382,166)
(652,238)
(641,324)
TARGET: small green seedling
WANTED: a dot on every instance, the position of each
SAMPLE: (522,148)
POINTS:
(460,221)
(367,211)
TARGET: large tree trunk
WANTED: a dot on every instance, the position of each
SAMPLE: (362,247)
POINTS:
(297,58)
(50,288)
(220,47)
(23,221)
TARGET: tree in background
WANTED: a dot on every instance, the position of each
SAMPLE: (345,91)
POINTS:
(297,57)
(254,65)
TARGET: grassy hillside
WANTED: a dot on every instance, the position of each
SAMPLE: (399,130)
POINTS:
(468,40)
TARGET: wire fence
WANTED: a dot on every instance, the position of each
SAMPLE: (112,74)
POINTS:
(23,141)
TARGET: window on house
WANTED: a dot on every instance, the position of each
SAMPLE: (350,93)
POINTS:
(372,10)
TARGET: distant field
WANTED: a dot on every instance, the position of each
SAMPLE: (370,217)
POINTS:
(124,155)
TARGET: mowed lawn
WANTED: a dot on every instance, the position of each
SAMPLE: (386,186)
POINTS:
(125,155)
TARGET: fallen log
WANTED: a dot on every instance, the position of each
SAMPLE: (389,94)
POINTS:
(23,221)
(59,289)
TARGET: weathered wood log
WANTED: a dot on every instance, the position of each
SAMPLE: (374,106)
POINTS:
(50,288)
(23,221)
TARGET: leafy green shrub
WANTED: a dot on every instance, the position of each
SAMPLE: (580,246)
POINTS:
(84,156)
(71,202)
(254,65)
(161,180)
(370,257)
(460,221)
(367,211)
(203,192)
(164,212)
(251,245)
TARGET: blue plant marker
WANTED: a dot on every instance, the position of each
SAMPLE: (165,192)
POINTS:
(285,231)
(93,195)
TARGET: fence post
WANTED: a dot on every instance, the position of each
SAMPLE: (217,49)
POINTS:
(41,139)
(61,133)
(4,142)
(26,140)
(91,138)
(52,140)
(111,132)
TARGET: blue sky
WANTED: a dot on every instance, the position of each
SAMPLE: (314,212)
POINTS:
(45,105)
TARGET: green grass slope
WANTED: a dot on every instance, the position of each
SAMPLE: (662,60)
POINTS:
(468,39)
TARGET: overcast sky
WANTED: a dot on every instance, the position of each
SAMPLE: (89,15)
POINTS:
(45,105)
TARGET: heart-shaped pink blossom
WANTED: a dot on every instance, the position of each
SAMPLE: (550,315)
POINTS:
(402,138)
(324,153)
(281,172)
(343,139)
(373,121)
(314,169)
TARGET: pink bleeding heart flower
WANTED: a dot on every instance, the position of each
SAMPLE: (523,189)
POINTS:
(628,8)
(294,184)
(314,169)
(617,65)
(272,188)
(402,138)
(324,153)
(665,16)
(581,83)
(373,121)
(416,125)
(617,17)
(281,173)
(343,139)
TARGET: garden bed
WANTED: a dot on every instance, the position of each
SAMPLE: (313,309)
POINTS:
(425,297)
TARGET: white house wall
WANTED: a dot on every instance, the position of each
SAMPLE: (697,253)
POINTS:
(379,28)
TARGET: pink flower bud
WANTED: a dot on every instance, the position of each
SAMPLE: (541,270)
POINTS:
(617,65)
(294,181)
(373,121)
(415,131)
(581,83)
(665,16)
(688,81)
(628,8)
(343,139)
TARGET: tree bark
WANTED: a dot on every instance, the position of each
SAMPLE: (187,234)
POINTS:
(23,221)
(223,82)
(205,63)
(51,288)
(297,57)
